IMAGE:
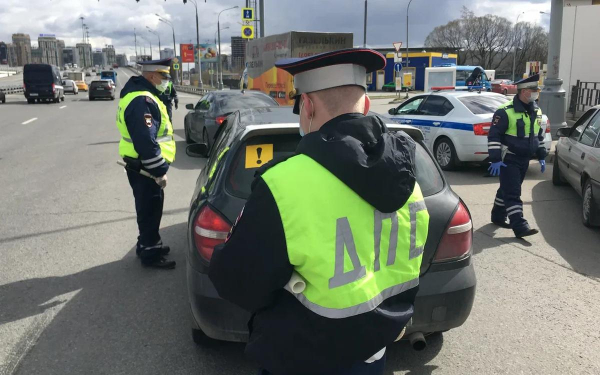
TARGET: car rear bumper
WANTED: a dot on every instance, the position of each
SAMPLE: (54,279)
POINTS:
(101,94)
(444,302)
(41,95)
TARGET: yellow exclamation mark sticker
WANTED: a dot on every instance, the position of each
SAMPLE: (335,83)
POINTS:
(258,155)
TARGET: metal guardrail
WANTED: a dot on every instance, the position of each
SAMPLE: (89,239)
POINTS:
(193,90)
(584,95)
(12,89)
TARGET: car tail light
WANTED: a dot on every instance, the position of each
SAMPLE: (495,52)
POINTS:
(482,128)
(548,127)
(220,119)
(53,88)
(210,230)
(458,237)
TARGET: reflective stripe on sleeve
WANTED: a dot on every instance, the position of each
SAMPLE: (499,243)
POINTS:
(148,161)
(156,165)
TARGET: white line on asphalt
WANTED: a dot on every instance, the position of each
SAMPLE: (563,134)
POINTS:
(64,106)
(28,121)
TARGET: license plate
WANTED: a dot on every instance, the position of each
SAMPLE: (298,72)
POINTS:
(100,89)
(33,94)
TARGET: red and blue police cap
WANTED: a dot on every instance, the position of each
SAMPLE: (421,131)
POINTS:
(346,67)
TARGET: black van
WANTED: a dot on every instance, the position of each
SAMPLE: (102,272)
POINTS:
(42,82)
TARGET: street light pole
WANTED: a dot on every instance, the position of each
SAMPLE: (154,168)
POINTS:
(365,33)
(407,8)
(220,83)
(197,49)
(158,35)
(515,47)
(173,29)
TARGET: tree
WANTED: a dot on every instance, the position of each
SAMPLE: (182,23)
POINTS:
(488,41)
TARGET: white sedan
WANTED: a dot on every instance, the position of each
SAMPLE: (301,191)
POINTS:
(70,86)
(455,124)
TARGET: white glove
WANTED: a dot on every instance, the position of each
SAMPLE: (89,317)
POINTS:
(161,181)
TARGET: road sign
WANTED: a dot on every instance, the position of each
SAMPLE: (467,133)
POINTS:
(397,46)
(398,83)
(248,14)
(176,66)
(175,60)
(248,32)
(398,67)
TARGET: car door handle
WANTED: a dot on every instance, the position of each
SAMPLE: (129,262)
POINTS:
(583,156)
(437,123)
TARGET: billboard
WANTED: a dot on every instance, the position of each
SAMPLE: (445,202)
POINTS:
(187,53)
(208,53)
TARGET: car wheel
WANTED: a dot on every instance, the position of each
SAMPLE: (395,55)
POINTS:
(112,98)
(505,92)
(188,139)
(91,99)
(205,139)
(200,338)
(445,154)
(557,178)
(3,100)
(62,98)
(589,211)
(57,99)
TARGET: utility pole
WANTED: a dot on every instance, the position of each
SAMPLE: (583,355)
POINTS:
(365,34)
(198,64)
(135,41)
(262,18)
(553,96)
(407,8)
(220,80)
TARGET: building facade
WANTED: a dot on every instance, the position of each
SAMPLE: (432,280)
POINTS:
(3,53)
(60,48)
(166,53)
(12,55)
(48,46)
(111,56)
(71,56)
(85,55)
(36,56)
(99,58)
(238,52)
(121,60)
(22,45)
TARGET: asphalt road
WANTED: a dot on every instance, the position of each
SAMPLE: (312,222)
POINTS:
(74,299)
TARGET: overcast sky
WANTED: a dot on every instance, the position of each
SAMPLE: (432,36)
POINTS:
(113,21)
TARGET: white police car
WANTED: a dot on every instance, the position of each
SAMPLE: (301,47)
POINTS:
(455,124)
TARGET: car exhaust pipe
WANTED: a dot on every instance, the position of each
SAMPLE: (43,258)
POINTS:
(417,341)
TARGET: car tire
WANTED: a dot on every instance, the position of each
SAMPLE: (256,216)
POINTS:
(91,99)
(557,178)
(200,338)
(57,99)
(445,154)
(505,92)
(3,100)
(112,98)
(589,213)
(62,98)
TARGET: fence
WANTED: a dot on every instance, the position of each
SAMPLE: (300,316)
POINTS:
(11,89)
(583,96)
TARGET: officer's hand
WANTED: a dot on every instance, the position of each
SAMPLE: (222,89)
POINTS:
(543,165)
(161,181)
(176,103)
(494,168)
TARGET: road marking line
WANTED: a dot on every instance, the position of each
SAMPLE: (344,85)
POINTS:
(28,121)
(64,106)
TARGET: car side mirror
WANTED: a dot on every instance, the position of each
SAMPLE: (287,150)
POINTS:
(392,111)
(563,132)
(189,106)
(197,150)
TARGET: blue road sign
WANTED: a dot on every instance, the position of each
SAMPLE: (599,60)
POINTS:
(398,67)
(248,14)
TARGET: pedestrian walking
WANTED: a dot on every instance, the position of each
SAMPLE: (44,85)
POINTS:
(515,135)
(344,215)
(168,97)
(147,144)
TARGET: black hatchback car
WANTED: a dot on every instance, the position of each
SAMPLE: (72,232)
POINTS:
(447,282)
(205,118)
(102,89)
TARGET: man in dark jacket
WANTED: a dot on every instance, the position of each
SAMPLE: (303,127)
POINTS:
(344,216)
(168,97)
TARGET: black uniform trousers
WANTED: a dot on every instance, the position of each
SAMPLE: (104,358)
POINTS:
(363,368)
(149,198)
(508,198)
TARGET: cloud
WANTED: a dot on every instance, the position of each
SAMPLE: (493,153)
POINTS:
(113,21)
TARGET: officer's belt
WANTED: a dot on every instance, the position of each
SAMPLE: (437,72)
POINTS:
(166,138)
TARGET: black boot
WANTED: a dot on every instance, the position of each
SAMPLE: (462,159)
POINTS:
(503,224)
(159,262)
(527,232)
(164,250)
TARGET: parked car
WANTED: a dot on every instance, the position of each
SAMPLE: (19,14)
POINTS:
(103,88)
(577,162)
(504,86)
(2,97)
(70,86)
(203,120)
(456,123)
(42,82)
(447,281)
(82,86)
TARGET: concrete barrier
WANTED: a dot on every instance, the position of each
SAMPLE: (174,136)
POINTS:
(12,89)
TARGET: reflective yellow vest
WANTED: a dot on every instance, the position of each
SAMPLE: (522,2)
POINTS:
(513,121)
(164,136)
(351,256)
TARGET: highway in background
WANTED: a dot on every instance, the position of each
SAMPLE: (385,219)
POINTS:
(74,298)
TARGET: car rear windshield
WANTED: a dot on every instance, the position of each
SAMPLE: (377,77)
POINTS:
(232,103)
(99,84)
(38,76)
(246,163)
(483,104)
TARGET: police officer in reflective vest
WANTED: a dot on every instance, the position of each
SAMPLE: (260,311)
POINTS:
(147,144)
(344,215)
(168,97)
(514,137)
